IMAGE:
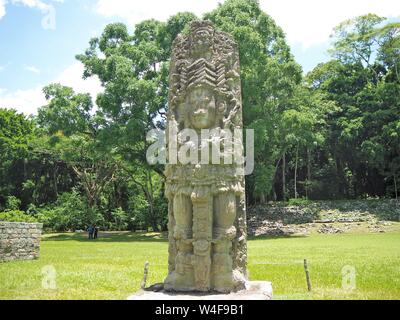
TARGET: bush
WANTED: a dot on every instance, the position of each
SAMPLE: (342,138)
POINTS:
(69,212)
(138,213)
(13,203)
(16,216)
(120,220)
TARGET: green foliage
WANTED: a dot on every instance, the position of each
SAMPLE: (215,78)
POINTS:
(139,209)
(299,202)
(16,132)
(269,77)
(362,133)
(69,212)
(178,23)
(75,129)
(67,112)
(353,40)
(119,220)
(330,135)
(16,216)
(13,203)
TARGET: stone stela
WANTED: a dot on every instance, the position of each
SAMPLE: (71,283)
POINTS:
(207,211)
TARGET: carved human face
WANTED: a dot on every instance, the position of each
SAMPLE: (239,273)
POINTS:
(201,103)
(202,42)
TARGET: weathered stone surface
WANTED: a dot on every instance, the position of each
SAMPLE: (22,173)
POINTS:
(255,290)
(19,241)
(207,211)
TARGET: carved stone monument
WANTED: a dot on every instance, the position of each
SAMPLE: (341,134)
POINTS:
(206,194)
(207,214)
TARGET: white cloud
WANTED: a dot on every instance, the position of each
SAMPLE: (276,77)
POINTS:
(2,68)
(32,4)
(25,101)
(28,101)
(134,12)
(72,77)
(32,69)
(38,4)
(307,22)
(2,8)
(310,22)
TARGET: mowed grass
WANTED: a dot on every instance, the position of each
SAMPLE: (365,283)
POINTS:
(375,257)
(112,266)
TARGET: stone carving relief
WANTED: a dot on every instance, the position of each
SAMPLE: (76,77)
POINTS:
(207,213)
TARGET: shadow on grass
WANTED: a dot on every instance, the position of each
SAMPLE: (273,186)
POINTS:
(108,237)
(269,237)
(139,237)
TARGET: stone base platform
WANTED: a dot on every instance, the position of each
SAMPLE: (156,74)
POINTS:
(256,290)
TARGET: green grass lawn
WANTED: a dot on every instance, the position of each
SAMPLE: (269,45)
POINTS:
(112,267)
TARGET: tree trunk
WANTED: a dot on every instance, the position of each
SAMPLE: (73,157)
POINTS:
(284,176)
(55,182)
(308,171)
(395,187)
(295,172)
(342,184)
(153,218)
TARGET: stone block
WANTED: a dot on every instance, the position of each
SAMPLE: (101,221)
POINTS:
(255,290)
(19,241)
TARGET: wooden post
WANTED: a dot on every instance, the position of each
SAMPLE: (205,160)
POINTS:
(307,275)
(146,271)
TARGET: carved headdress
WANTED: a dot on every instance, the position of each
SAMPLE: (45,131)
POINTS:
(206,58)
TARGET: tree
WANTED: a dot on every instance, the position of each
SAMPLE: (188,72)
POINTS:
(363,132)
(16,132)
(269,77)
(134,74)
(353,41)
(76,132)
(300,127)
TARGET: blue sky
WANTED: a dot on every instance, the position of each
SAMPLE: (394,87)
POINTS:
(31,54)
(40,38)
